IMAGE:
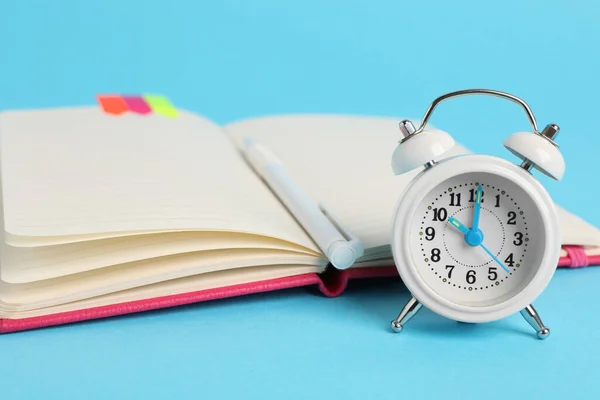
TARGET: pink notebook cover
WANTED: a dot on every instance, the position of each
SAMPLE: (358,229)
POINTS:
(331,283)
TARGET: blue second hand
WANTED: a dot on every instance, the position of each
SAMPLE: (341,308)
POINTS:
(461,227)
(494,257)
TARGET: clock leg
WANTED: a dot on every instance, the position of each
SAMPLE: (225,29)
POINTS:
(410,309)
(532,317)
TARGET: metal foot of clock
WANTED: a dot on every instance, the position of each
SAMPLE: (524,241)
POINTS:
(413,306)
(532,317)
(410,309)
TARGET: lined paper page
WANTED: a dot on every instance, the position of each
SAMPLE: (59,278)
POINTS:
(79,171)
(103,281)
(210,280)
(22,265)
(344,162)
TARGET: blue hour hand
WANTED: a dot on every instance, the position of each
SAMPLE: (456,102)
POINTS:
(472,237)
(453,221)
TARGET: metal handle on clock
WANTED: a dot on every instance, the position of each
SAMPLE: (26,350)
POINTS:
(489,92)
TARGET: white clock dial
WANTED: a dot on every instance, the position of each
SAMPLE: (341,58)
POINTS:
(476,270)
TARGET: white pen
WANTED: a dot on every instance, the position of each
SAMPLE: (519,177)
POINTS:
(341,248)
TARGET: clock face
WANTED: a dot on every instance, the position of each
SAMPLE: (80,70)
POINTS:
(476,265)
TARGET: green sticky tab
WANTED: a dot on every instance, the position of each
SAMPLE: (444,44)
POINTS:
(160,105)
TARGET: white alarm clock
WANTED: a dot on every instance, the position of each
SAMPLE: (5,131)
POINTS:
(476,238)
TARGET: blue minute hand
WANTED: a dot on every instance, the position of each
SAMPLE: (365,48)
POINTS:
(494,257)
(478,197)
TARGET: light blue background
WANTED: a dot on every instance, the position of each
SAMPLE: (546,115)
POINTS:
(229,60)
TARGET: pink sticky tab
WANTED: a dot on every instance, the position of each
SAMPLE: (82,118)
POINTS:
(137,104)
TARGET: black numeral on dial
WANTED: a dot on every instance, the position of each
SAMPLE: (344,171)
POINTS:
(497,201)
(518,239)
(455,199)
(471,277)
(439,214)
(451,268)
(435,255)
(512,216)
(429,233)
(473,193)
(492,274)
(509,260)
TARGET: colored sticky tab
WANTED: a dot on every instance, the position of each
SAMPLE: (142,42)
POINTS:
(112,104)
(137,104)
(160,105)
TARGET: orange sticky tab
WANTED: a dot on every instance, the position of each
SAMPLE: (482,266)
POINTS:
(112,104)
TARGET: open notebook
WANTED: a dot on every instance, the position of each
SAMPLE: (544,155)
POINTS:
(112,214)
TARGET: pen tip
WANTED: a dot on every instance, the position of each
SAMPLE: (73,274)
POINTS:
(248,141)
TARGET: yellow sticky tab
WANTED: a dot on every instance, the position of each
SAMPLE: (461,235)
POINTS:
(160,105)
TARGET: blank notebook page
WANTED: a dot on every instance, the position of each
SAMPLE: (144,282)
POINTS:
(345,163)
(341,161)
(79,171)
